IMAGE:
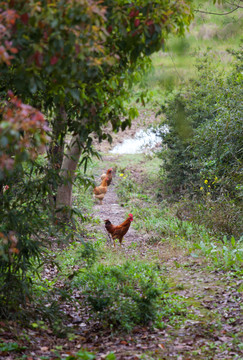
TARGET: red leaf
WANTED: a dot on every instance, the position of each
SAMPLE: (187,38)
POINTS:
(135,33)
(10,94)
(45,36)
(54,60)
(38,58)
(109,29)
(149,22)
(132,13)
(14,50)
(25,18)
(136,22)
(77,49)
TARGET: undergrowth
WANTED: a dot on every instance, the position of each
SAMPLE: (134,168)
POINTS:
(162,221)
(130,294)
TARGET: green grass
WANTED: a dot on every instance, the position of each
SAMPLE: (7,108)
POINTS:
(155,217)
(140,191)
(176,64)
(128,294)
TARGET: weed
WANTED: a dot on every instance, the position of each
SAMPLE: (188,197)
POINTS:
(126,295)
(125,187)
(10,346)
(76,256)
(80,355)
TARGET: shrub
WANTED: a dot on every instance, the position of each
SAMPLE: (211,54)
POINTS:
(220,215)
(24,219)
(205,122)
(123,296)
(203,149)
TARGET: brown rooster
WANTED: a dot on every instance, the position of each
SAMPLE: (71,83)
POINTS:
(118,232)
(108,175)
(100,191)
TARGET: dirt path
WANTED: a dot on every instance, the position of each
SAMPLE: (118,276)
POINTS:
(110,209)
(212,300)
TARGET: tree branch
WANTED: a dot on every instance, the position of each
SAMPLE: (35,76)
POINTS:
(233,4)
(214,13)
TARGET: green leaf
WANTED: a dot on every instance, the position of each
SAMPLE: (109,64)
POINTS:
(111,356)
(84,355)
(232,241)
(75,94)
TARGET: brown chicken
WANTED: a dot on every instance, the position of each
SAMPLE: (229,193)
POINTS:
(100,191)
(118,232)
(108,175)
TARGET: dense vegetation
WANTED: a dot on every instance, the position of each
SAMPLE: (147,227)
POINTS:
(203,154)
(68,71)
(75,62)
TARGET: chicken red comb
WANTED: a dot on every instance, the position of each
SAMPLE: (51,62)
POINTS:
(131,215)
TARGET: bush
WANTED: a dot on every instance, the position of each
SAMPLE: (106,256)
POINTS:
(123,296)
(24,220)
(221,215)
(203,152)
(205,124)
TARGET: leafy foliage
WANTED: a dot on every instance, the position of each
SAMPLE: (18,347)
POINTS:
(124,295)
(204,152)
(204,138)
(82,54)
(75,62)
(24,219)
(22,134)
(10,346)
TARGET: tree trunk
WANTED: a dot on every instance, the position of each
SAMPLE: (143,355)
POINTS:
(69,165)
(56,148)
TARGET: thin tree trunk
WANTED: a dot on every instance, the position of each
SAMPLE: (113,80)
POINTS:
(56,149)
(69,165)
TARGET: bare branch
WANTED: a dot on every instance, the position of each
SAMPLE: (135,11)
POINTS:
(233,4)
(226,13)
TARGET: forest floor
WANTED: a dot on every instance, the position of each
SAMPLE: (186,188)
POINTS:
(212,331)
